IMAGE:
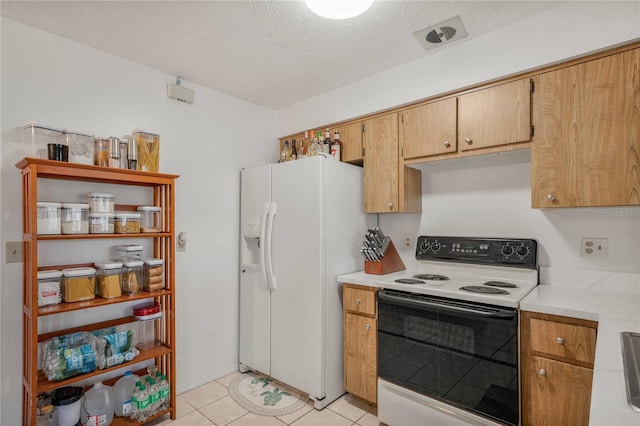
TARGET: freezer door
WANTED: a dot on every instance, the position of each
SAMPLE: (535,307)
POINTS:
(297,303)
(255,305)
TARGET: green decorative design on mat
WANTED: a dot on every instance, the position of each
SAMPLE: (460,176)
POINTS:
(274,396)
(265,382)
(264,396)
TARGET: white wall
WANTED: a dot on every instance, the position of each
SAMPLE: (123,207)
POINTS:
(490,195)
(54,81)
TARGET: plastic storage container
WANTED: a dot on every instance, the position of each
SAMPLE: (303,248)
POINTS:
(108,279)
(75,218)
(78,284)
(146,313)
(38,137)
(129,252)
(148,145)
(101,223)
(68,401)
(126,223)
(98,405)
(49,287)
(101,202)
(122,391)
(150,218)
(131,276)
(153,274)
(101,152)
(49,219)
(80,147)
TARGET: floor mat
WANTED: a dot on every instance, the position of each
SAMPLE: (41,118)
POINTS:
(264,396)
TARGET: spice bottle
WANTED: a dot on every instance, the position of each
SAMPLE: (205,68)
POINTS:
(124,146)
(132,153)
(114,153)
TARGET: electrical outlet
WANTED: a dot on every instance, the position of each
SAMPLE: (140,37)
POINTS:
(598,247)
(181,242)
(407,240)
(13,251)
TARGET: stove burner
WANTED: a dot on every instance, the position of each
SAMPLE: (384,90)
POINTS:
(409,281)
(501,284)
(432,277)
(485,290)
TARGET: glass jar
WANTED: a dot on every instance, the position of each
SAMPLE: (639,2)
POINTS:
(49,219)
(49,287)
(127,223)
(101,223)
(75,218)
(78,284)
(101,202)
(153,275)
(150,218)
(101,152)
(108,279)
(131,276)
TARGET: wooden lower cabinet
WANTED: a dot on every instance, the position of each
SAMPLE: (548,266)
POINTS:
(360,342)
(557,356)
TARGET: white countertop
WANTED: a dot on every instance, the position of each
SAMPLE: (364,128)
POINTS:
(614,301)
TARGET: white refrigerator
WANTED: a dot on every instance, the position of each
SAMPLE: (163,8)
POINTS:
(302,224)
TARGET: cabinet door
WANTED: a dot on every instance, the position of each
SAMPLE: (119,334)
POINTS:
(498,115)
(380,139)
(361,356)
(429,129)
(559,393)
(351,137)
(587,144)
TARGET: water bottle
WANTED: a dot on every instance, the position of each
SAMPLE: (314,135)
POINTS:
(134,401)
(165,391)
(154,396)
(122,391)
(143,403)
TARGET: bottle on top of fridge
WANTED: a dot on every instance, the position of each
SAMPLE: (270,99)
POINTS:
(313,146)
(336,147)
(294,150)
(327,141)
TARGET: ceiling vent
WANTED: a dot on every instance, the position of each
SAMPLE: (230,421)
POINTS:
(442,33)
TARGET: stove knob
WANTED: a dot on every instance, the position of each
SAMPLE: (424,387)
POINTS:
(424,246)
(522,251)
(435,246)
(507,250)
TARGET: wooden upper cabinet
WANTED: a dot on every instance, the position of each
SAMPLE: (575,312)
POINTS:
(380,139)
(351,137)
(586,150)
(429,129)
(497,115)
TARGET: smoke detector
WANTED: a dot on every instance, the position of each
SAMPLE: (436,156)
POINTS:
(180,93)
(439,34)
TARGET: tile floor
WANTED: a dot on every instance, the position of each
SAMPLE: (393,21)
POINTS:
(211,404)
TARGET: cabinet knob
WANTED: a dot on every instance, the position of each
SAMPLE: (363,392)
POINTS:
(447,144)
(551,197)
(468,140)
(367,327)
(357,301)
(560,340)
(542,372)
(390,206)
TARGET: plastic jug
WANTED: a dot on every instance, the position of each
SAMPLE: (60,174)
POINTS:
(98,406)
(68,402)
(122,391)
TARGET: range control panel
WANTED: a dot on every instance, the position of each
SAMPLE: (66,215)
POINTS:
(493,251)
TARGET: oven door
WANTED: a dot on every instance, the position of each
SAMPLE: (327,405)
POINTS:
(461,353)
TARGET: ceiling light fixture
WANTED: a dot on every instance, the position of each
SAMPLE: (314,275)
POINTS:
(338,9)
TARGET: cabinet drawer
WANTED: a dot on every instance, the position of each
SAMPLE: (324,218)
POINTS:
(359,301)
(569,341)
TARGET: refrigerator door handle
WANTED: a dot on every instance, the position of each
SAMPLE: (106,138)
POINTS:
(263,234)
(269,246)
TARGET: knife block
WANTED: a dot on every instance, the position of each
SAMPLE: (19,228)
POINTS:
(391,262)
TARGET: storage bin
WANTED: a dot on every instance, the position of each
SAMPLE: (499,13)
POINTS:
(153,274)
(129,252)
(101,152)
(49,218)
(131,276)
(126,223)
(148,145)
(150,218)
(78,284)
(101,202)
(101,223)
(108,279)
(81,147)
(49,287)
(75,218)
(37,137)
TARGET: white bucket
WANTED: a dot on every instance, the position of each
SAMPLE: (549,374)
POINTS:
(68,401)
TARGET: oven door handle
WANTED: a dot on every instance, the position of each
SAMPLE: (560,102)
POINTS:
(426,304)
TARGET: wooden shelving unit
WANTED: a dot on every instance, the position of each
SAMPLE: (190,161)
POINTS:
(163,187)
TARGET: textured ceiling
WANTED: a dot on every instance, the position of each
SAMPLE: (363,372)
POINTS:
(271,53)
